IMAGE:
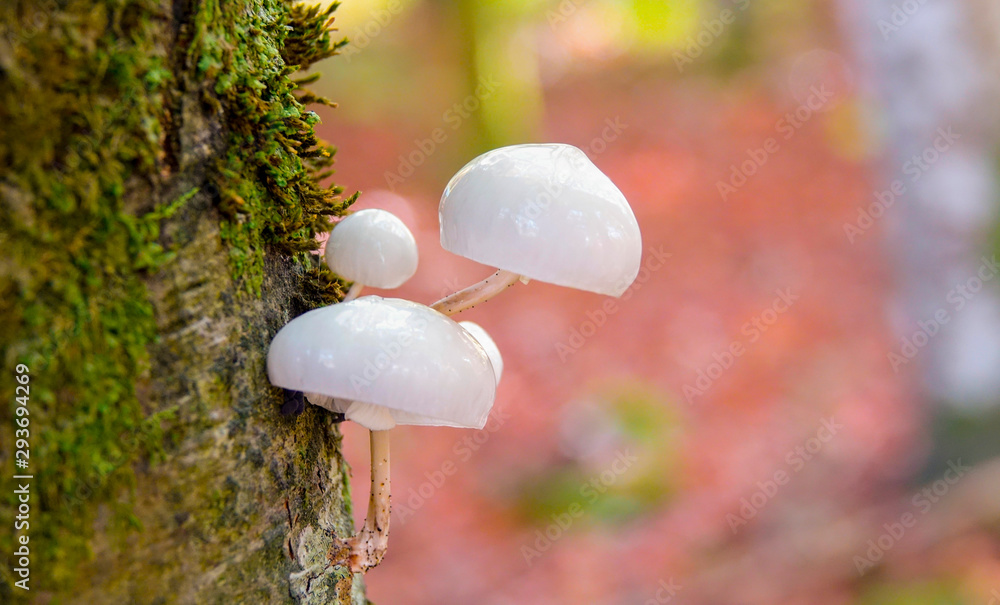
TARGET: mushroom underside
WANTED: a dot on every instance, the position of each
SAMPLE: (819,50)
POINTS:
(361,411)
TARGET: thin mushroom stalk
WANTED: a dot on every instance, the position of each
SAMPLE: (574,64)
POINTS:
(353,292)
(369,545)
(476,293)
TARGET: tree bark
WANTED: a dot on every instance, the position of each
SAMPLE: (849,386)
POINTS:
(159,193)
(931,73)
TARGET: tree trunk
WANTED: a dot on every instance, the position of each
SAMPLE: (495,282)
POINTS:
(931,70)
(159,196)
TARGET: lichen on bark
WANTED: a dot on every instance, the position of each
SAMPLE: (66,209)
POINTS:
(159,195)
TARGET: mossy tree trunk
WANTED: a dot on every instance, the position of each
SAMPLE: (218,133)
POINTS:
(159,196)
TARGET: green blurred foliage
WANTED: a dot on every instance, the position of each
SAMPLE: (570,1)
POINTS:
(646,427)
(940,592)
(410,61)
(654,25)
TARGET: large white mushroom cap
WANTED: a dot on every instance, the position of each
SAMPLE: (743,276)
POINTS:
(389,361)
(372,247)
(544,212)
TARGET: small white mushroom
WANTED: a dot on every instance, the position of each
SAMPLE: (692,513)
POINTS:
(492,350)
(384,362)
(540,212)
(371,248)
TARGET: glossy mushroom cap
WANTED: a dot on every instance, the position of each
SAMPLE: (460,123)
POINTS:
(372,247)
(491,348)
(379,419)
(544,212)
(412,364)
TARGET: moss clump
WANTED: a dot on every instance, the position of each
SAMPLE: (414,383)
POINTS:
(90,96)
(270,178)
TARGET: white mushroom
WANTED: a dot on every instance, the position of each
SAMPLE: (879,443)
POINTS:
(492,350)
(375,418)
(540,212)
(371,248)
(389,362)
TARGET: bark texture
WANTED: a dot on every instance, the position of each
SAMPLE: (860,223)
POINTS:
(159,193)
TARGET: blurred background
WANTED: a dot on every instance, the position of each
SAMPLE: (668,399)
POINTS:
(797,400)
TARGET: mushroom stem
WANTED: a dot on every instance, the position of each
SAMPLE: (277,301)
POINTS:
(369,546)
(475,294)
(353,292)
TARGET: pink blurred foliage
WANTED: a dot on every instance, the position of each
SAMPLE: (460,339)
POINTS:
(823,358)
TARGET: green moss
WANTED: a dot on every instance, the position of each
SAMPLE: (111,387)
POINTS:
(323,287)
(270,179)
(82,113)
(640,418)
(88,91)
